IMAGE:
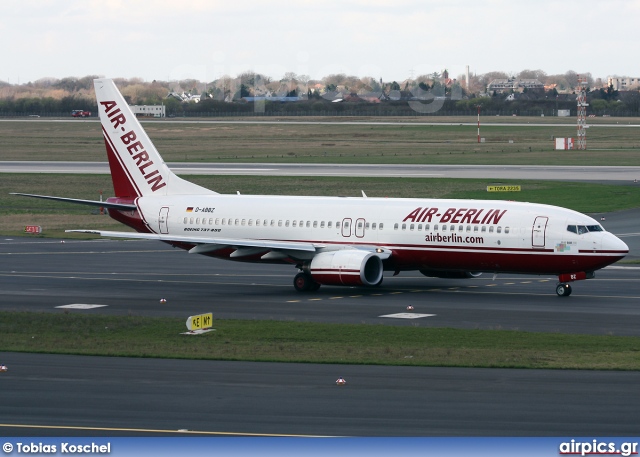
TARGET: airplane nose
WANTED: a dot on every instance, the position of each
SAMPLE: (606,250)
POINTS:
(613,243)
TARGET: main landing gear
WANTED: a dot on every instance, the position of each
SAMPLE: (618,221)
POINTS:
(563,290)
(305,283)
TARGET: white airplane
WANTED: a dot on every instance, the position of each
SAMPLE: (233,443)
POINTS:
(334,240)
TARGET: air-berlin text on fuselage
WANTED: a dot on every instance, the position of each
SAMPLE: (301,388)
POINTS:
(135,148)
(455,215)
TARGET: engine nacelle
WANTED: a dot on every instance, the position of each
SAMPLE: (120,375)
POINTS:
(348,267)
(450,274)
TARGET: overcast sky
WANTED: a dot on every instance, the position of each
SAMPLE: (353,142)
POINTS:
(392,40)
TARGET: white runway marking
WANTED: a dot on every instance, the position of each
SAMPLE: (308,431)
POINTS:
(407,315)
(80,306)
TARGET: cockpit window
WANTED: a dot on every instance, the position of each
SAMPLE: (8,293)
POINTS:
(582,229)
(572,228)
(595,228)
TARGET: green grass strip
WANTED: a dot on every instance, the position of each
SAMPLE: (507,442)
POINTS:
(278,341)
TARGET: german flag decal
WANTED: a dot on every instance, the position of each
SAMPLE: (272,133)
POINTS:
(190,209)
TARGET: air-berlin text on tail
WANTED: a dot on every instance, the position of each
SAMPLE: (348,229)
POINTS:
(455,215)
(135,147)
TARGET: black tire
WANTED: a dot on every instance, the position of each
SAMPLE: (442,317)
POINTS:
(303,282)
(563,290)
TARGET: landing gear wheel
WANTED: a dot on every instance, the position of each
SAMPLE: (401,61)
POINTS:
(563,290)
(304,283)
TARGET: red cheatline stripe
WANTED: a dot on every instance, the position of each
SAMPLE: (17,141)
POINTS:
(122,166)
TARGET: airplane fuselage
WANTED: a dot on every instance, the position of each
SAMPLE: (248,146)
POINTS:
(422,234)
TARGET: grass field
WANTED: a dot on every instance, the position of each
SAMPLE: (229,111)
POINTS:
(344,143)
(55,217)
(303,342)
(277,341)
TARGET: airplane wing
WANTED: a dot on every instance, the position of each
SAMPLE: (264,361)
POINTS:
(202,241)
(244,246)
(120,206)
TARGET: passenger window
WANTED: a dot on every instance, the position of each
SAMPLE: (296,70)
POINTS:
(279,223)
(411,227)
(444,228)
(315,224)
(329,224)
(237,222)
(426,227)
(475,228)
(321,224)
(435,227)
(395,226)
(308,224)
(250,222)
(210,221)
(460,228)
(337,225)
(197,221)
(381,226)
(185,220)
(506,230)
(243,222)
(373,226)
(286,224)
(484,228)
(499,229)
(257,222)
(419,226)
(468,228)
(366,226)
(404,226)
(293,224)
(191,221)
(491,229)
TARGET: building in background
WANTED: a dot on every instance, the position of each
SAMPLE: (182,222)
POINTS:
(623,83)
(148,110)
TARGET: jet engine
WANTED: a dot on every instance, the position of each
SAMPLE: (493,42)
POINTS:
(347,267)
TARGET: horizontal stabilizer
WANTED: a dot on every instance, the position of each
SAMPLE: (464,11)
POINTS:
(120,206)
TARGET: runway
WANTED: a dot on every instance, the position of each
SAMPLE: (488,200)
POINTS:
(120,396)
(623,175)
(102,396)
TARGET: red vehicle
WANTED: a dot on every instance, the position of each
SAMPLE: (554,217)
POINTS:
(80,113)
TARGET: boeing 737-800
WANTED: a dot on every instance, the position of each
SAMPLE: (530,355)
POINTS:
(340,241)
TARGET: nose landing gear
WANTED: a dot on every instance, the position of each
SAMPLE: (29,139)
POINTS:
(563,290)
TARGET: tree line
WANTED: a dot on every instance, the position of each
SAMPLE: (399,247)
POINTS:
(338,94)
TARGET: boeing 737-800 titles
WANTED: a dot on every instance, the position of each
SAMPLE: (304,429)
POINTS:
(340,241)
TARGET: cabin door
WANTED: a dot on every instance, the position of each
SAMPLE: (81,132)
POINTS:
(163,220)
(539,232)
